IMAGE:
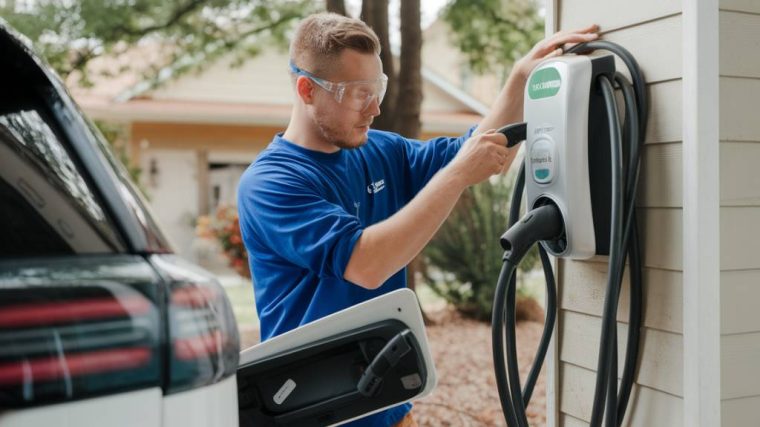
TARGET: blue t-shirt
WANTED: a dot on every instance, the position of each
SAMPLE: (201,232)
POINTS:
(302,211)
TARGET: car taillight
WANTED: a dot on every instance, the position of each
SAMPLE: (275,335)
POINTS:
(63,343)
(204,342)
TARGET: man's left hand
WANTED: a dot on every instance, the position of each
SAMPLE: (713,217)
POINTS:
(553,45)
(508,107)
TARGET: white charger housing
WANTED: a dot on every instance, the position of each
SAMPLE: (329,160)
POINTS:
(557,144)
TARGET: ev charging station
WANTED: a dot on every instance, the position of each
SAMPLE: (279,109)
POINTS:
(580,177)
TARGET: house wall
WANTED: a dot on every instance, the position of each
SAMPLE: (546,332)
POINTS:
(180,185)
(651,30)
(223,185)
(173,193)
(739,85)
(264,78)
(439,57)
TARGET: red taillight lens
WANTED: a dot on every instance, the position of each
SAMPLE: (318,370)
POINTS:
(74,365)
(204,339)
(36,314)
(62,343)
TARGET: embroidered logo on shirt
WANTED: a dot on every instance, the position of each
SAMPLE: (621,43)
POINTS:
(376,186)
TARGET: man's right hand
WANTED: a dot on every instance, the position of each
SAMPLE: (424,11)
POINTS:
(387,246)
(480,157)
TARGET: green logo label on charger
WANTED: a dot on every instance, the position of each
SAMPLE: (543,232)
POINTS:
(544,83)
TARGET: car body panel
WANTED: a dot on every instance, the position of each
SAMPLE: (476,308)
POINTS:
(136,408)
(209,406)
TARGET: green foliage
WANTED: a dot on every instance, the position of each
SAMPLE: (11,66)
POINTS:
(464,258)
(493,34)
(69,33)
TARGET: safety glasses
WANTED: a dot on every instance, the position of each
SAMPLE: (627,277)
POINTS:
(355,95)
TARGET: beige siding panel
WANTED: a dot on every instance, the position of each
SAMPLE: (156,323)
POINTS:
(660,353)
(648,407)
(739,294)
(652,31)
(740,412)
(739,367)
(739,104)
(752,6)
(739,185)
(662,234)
(656,47)
(584,288)
(566,420)
(660,230)
(661,181)
(739,234)
(612,14)
(739,44)
(665,112)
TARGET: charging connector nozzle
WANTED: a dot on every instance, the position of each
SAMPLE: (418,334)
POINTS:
(515,133)
(542,223)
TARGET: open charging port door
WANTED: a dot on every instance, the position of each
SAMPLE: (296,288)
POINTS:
(345,366)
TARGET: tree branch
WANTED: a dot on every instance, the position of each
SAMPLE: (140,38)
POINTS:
(240,37)
(83,56)
(178,14)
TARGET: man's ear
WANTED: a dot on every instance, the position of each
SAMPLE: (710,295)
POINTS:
(305,89)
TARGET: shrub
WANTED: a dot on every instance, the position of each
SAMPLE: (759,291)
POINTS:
(463,260)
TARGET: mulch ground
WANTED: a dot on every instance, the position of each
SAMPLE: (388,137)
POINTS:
(466,393)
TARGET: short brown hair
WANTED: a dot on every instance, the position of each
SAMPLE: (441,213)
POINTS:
(321,37)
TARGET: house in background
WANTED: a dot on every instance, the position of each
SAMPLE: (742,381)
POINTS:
(193,135)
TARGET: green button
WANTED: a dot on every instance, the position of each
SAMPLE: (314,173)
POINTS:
(542,173)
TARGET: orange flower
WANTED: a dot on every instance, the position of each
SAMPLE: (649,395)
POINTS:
(224,226)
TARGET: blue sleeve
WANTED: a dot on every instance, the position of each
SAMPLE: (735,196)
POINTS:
(424,159)
(296,223)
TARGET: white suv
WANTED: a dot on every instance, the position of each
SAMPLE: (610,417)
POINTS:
(100,324)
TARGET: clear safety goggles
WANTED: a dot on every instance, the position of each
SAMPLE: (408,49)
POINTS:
(355,95)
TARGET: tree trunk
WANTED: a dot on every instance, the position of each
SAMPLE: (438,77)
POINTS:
(401,106)
(375,14)
(366,14)
(410,71)
(407,113)
(336,6)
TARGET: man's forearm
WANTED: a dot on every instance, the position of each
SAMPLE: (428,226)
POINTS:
(386,247)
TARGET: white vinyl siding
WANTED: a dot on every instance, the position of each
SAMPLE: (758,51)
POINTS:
(652,31)
(740,211)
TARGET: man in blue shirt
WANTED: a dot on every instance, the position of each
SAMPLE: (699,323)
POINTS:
(332,212)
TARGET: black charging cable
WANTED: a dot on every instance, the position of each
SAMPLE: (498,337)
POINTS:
(606,393)
(542,224)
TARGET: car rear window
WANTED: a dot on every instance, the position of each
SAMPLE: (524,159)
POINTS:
(47,206)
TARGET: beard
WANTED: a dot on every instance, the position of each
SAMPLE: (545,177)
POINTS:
(341,138)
